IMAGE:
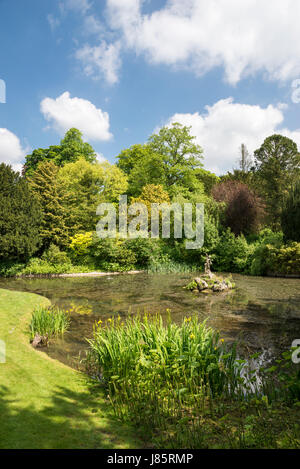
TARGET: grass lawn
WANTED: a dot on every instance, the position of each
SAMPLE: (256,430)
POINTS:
(43,403)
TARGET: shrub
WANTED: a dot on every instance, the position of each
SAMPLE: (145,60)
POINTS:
(284,260)
(80,244)
(10,268)
(55,256)
(267,236)
(38,266)
(145,250)
(233,254)
(112,254)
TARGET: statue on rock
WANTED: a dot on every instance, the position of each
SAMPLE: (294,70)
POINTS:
(207,266)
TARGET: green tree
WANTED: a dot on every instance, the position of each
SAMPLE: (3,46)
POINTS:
(82,182)
(71,148)
(86,185)
(277,167)
(290,216)
(20,217)
(169,159)
(115,182)
(180,155)
(50,194)
(129,157)
(208,179)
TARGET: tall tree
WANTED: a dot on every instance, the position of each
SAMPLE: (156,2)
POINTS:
(20,216)
(169,159)
(86,185)
(71,148)
(244,211)
(277,167)
(290,216)
(50,194)
(178,151)
(245,161)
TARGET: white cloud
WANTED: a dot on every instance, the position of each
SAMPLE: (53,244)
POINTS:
(101,61)
(92,25)
(226,125)
(53,21)
(101,158)
(77,5)
(65,112)
(11,150)
(243,37)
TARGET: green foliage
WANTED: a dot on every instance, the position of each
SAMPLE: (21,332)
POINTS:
(208,179)
(81,182)
(50,193)
(20,217)
(232,253)
(71,149)
(10,268)
(80,244)
(53,255)
(169,158)
(114,183)
(86,185)
(290,216)
(189,355)
(48,322)
(158,373)
(191,286)
(37,266)
(112,255)
(278,167)
(145,250)
(267,236)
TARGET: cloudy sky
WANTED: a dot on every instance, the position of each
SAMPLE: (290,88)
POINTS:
(120,69)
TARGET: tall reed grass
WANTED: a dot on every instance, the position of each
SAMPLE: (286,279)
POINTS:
(157,372)
(48,322)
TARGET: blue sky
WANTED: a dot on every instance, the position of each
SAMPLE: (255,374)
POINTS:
(120,69)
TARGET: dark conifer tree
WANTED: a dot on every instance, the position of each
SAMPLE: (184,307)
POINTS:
(20,217)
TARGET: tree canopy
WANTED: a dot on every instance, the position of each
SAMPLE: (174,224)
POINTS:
(277,168)
(71,148)
(50,194)
(169,159)
(20,216)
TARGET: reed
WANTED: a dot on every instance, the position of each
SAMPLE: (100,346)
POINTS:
(162,373)
(48,322)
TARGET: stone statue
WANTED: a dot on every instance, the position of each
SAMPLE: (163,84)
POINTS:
(207,266)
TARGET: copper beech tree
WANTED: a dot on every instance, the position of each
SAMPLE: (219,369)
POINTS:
(244,209)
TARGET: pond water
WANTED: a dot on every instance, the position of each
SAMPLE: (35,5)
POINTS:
(261,313)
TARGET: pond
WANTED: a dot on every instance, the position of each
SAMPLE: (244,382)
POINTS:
(261,313)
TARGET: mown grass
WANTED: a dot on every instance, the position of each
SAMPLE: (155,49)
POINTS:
(183,388)
(44,404)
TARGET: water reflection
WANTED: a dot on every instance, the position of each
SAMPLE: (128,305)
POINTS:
(262,313)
